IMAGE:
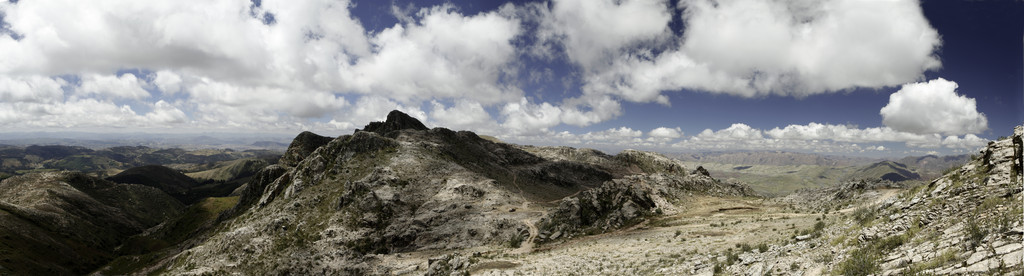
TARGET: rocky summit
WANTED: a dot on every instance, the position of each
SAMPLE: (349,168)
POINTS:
(394,192)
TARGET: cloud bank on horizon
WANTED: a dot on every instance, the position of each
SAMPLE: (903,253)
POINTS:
(313,65)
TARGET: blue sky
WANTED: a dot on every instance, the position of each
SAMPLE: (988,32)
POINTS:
(840,77)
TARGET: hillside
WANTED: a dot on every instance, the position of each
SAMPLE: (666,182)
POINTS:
(396,187)
(885,170)
(65,223)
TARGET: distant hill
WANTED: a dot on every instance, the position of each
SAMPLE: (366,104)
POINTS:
(172,182)
(16,160)
(231,170)
(885,170)
(774,158)
(931,166)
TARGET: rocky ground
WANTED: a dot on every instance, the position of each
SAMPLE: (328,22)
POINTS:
(967,222)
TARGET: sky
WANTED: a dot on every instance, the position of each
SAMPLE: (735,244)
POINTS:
(842,77)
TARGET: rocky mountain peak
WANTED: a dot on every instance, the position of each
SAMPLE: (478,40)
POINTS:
(396,121)
(303,145)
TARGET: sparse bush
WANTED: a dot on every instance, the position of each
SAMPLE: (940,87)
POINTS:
(762,248)
(516,241)
(864,215)
(794,266)
(745,247)
(718,269)
(731,258)
(975,232)
(861,262)
(678,232)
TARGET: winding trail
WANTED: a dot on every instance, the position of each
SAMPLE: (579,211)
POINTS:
(527,245)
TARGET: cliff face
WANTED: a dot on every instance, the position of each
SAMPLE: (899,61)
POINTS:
(396,186)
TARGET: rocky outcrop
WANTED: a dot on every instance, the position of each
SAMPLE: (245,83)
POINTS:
(626,201)
(303,145)
(396,121)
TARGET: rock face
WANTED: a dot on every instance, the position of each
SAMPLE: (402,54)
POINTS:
(396,186)
(64,223)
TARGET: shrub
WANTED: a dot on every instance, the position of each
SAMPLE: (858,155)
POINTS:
(864,215)
(975,233)
(861,262)
(515,241)
(762,248)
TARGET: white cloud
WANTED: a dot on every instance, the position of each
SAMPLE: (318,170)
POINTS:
(593,32)
(444,55)
(463,115)
(933,107)
(126,86)
(618,136)
(168,82)
(735,132)
(842,133)
(666,133)
(85,113)
(34,89)
(970,141)
(744,47)
(524,117)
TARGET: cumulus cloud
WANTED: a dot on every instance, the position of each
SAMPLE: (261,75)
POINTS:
(126,86)
(463,115)
(618,136)
(735,132)
(594,32)
(745,48)
(837,138)
(33,89)
(524,117)
(933,107)
(970,141)
(666,133)
(444,55)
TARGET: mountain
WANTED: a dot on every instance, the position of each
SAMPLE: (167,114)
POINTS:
(332,205)
(67,223)
(931,166)
(885,170)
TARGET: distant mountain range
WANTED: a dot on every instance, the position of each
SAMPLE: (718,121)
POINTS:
(780,173)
